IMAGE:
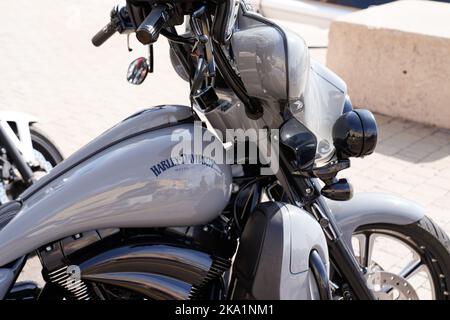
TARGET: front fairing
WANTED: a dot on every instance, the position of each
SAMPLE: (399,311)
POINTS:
(275,67)
(273,62)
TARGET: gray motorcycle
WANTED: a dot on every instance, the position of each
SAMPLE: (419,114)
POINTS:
(161,206)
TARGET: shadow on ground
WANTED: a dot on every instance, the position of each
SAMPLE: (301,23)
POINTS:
(411,141)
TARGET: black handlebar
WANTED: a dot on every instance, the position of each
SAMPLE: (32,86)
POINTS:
(149,30)
(147,33)
(104,34)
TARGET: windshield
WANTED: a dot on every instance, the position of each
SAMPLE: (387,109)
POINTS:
(276,68)
(322,104)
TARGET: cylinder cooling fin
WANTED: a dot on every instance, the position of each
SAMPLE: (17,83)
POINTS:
(75,287)
(150,271)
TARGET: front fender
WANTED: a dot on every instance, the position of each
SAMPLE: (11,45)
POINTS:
(373,208)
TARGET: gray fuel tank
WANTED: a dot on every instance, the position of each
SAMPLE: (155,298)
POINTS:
(126,178)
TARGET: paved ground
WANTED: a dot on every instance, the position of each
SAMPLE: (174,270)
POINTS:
(49,68)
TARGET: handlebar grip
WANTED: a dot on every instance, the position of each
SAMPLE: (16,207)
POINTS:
(104,34)
(148,31)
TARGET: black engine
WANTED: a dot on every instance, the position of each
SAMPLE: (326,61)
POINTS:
(165,263)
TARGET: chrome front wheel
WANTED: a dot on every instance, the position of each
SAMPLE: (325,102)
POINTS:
(408,262)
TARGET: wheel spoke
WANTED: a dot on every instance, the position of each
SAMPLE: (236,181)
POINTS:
(361,238)
(365,243)
(370,241)
(411,269)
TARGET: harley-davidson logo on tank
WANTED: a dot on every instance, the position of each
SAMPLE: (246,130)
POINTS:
(213,149)
(186,159)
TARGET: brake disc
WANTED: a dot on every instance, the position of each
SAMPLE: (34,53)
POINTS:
(389,286)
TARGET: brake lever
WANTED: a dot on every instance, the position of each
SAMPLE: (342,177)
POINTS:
(128,43)
(200,28)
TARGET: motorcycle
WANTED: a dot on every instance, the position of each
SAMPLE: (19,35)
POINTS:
(162,207)
(26,153)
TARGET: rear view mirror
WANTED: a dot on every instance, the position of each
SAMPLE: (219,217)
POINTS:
(137,71)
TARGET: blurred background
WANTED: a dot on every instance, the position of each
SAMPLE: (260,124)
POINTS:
(49,68)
